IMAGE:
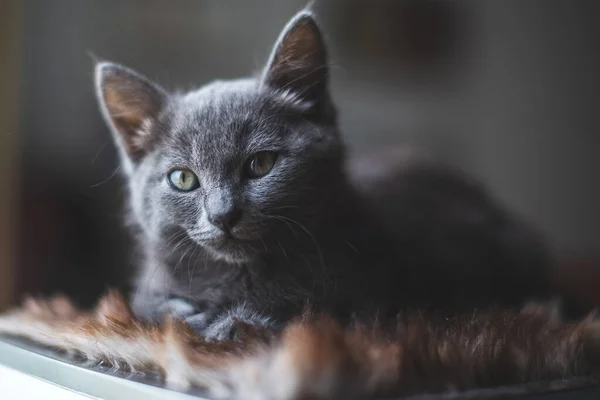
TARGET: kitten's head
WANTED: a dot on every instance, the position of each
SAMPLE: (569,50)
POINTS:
(235,162)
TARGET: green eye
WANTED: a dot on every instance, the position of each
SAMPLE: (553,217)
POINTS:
(183,180)
(261,163)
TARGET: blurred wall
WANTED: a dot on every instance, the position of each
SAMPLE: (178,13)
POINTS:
(9,100)
(505,89)
(535,115)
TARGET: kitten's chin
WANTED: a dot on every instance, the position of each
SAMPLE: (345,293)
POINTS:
(230,251)
(231,257)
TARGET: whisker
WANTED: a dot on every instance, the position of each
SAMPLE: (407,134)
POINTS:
(286,223)
(191,275)
(283,251)
(315,243)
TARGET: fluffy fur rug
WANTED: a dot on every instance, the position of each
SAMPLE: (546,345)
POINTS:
(314,358)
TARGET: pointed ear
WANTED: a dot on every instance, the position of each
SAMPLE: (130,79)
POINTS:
(131,105)
(298,62)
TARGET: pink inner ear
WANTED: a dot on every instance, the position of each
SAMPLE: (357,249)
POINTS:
(133,104)
(300,59)
(126,114)
(123,105)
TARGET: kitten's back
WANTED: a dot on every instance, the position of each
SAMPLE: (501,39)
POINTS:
(463,248)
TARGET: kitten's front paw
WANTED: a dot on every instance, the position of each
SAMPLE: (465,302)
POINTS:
(178,308)
(228,325)
(154,307)
(198,322)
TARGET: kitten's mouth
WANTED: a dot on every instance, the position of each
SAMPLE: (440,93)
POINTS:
(237,246)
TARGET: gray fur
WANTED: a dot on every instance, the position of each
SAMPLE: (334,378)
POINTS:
(223,327)
(306,235)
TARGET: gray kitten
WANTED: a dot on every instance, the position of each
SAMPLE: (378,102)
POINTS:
(245,211)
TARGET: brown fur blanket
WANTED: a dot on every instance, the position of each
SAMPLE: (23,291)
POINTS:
(314,358)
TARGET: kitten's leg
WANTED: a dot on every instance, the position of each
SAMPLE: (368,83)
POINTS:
(155,307)
(225,325)
(153,298)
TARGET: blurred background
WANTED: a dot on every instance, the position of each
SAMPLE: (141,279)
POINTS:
(505,89)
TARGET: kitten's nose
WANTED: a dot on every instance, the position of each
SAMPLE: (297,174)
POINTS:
(222,211)
(225,219)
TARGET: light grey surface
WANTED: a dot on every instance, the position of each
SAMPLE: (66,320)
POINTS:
(91,383)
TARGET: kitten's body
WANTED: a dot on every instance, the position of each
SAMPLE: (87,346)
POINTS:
(305,234)
(439,259)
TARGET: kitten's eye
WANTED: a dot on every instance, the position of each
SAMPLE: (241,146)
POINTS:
(183,180)
(261,163)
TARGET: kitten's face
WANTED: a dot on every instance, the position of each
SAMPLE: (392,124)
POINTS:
(249,156)
(235,163)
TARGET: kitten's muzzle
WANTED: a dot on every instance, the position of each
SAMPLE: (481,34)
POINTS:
(221,209)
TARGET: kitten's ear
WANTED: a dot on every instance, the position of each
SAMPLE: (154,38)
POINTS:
(298,61)
(131,105)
